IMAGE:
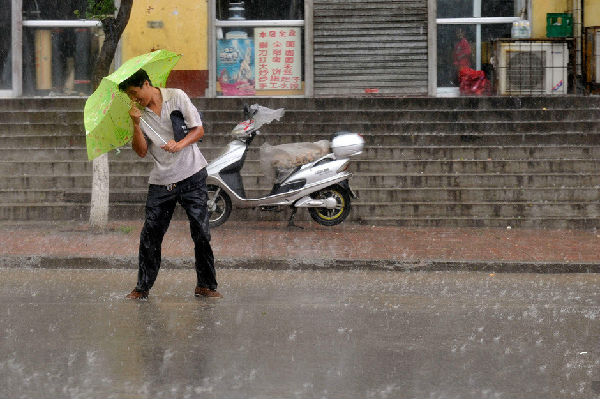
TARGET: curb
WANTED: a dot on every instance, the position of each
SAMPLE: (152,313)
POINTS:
(131,262)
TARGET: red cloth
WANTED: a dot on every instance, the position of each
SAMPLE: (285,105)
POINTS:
(462,54)
(473,82)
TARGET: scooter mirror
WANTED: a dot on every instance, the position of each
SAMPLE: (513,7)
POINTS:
(248,112)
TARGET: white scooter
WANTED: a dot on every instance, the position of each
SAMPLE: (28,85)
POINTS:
(320,184)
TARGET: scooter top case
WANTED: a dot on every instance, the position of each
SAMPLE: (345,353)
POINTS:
(347,144)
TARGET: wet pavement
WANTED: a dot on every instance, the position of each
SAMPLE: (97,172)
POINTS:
(272,245)
(300,334)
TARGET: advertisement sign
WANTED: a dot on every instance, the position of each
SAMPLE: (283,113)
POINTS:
(278,58)
(235,66)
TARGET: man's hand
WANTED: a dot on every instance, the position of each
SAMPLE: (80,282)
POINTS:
(172,146)
(138,143)
(192,137)
(134,113)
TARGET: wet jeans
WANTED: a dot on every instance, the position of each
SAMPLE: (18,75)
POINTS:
(160,204)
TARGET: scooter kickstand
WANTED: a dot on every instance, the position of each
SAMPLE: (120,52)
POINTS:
(291,220)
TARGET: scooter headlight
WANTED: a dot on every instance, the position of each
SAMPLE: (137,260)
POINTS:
(238,130)
(243,129)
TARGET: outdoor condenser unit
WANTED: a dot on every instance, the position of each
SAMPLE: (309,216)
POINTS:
(532,68)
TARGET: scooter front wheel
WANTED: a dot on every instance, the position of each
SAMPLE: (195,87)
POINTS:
(327,216)
(219,205)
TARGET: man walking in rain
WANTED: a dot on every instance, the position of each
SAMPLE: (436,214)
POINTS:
(179,175)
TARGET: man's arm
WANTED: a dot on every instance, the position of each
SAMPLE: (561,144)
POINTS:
(139,143)
(191,116)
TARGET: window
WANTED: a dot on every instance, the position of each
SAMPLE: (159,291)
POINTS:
(464,34)
(477,8)
(263,9)
(58,48)
(259,49)
(6,46)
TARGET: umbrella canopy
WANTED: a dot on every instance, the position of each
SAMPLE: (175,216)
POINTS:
(106,114)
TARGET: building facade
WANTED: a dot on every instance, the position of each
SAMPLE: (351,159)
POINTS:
(312,48)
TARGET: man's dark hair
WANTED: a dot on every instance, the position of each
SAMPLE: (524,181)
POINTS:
(137,80)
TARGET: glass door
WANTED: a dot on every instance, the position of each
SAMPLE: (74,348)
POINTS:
(465,29)
(10,48)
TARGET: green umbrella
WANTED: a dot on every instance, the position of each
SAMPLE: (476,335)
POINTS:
(106,114)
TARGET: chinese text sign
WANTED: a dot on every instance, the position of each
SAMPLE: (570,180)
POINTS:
(278,58)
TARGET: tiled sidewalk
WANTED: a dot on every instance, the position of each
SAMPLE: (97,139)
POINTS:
(264,242)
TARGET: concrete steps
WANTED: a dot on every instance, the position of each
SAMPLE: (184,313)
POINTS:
(373,166)
(63,104)
(131,188)
(423,139)
(498,161)
(542,195)
(326,116)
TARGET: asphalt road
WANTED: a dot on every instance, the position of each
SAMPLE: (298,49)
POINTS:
(300,334)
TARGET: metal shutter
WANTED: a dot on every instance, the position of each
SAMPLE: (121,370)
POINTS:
(370,44)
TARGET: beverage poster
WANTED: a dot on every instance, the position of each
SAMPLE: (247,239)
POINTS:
(235,66)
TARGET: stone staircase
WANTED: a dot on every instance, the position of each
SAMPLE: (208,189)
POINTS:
(496,161)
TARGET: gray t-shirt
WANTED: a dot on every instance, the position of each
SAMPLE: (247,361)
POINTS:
(171,168)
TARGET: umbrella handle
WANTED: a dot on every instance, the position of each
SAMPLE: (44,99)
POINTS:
(153,131)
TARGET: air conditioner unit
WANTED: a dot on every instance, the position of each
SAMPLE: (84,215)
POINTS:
(532,67)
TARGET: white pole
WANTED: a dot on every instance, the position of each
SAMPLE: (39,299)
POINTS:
(477,14)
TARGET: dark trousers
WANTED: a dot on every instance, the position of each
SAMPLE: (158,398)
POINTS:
(160,204)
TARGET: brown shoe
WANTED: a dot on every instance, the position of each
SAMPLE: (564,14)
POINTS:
(135,294)
(207,292)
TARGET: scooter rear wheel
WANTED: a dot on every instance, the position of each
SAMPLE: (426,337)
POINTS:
(219,205)
(331,217)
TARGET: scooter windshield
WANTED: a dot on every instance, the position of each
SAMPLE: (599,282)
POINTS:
(264,115)
(259,116)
